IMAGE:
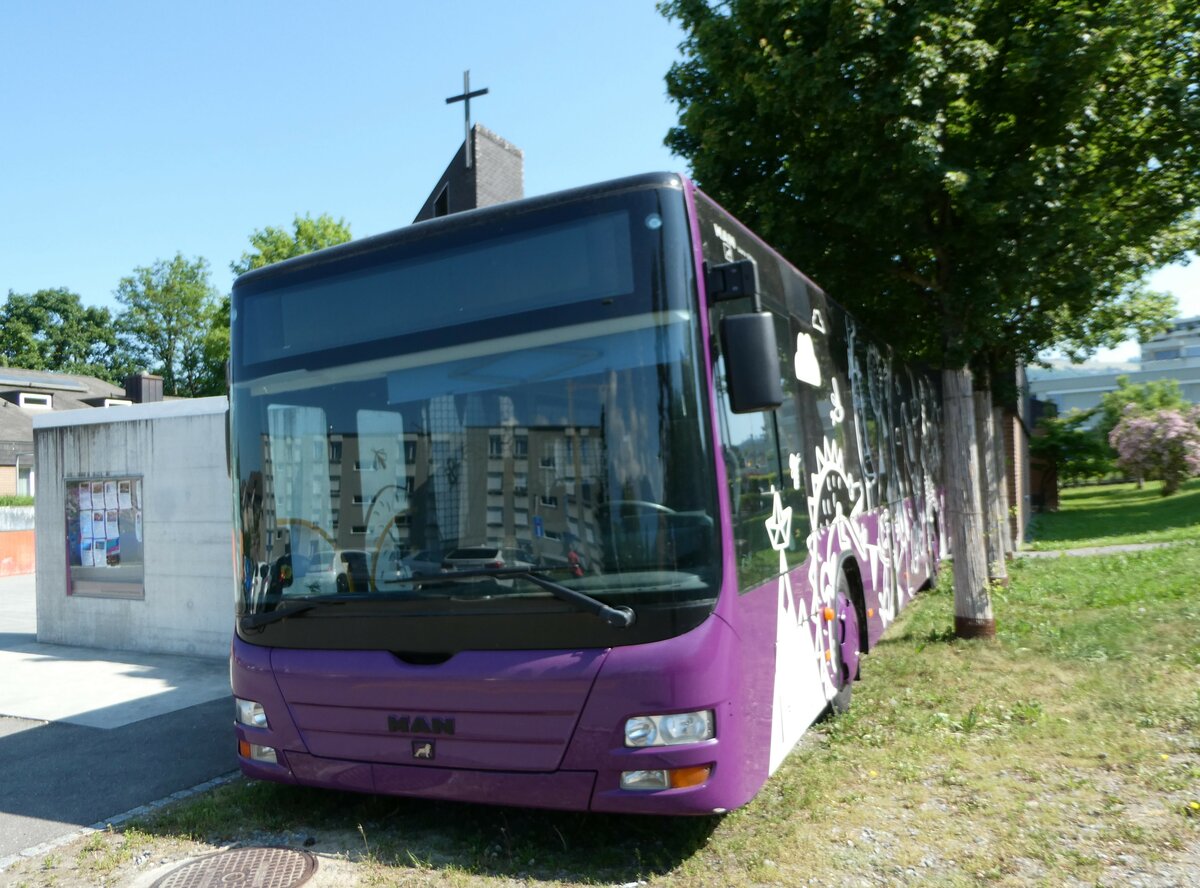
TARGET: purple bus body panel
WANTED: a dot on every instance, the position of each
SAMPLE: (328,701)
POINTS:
(253,679)
(561,789)
(691,672)
(511,710)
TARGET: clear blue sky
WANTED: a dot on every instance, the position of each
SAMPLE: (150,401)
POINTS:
(133,130)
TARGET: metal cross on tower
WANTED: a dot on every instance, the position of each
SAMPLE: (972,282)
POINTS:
(465,98)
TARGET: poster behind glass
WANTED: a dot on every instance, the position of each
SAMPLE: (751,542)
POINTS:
(105,537)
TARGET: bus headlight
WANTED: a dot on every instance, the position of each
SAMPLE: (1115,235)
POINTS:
(669,730)
(257,753)
(673,778)
(250,713)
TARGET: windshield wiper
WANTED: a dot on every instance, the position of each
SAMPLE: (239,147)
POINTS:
(265,618)
(618,617)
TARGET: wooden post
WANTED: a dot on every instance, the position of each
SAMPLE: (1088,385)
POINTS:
(972,599)
(989,487)
(1006,524)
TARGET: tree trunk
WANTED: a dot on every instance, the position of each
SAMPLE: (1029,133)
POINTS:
(989,487)
(972,600)
(1007,533)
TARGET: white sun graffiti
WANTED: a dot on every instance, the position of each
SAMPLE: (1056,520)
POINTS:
(836,494)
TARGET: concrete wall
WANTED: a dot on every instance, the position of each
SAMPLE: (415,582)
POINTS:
(16,540)
(16,518)
(177,448)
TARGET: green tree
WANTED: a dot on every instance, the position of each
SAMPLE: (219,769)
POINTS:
(268,245)
(214,351)
(273,244)
(1078,452)
(981,179)
(52,330)
(1146,397)
(169,308)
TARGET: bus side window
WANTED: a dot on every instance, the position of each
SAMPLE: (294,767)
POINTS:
(751,452)
(798,421)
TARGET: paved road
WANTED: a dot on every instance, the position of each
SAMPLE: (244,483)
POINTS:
(86,734)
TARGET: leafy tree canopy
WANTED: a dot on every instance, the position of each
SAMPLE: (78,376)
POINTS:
(1146,397)
(52,330)
(1138,398)
(981,179)
(169,307)
(273,244)
(214,351)
(999,175)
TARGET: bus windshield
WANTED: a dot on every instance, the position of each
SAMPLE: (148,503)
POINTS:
(425,422)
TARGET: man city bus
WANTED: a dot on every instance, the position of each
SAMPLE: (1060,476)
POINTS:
(586,501)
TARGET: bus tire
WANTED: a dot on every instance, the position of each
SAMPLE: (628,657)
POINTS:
(840,703)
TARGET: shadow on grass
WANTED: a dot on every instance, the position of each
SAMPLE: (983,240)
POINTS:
(1108,492)
(419,834)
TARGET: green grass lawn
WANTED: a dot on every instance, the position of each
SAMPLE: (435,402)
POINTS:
(1067,751)
(1119,513)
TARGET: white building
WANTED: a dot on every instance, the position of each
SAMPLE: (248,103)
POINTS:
(1171,355)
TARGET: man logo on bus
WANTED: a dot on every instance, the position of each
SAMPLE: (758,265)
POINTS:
(729,245)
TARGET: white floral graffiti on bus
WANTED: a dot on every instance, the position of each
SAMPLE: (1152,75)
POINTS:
(888,429)
(796,695)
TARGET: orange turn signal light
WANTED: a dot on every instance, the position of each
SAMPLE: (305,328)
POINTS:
(870,612)
(244,748)
(829,614)
(681,777)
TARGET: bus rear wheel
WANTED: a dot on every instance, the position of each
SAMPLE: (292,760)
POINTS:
(846,633)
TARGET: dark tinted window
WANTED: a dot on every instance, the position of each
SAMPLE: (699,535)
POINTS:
(574,261)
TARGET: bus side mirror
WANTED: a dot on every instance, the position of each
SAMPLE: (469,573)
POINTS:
(751,362)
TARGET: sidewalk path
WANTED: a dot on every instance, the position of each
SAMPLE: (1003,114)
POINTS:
(1090,550)
(86,734)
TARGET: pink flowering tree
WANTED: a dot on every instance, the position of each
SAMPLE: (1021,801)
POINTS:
(1160,444)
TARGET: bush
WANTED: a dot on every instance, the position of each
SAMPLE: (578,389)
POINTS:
(1161,444)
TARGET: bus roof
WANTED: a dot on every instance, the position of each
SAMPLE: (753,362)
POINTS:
(452,222)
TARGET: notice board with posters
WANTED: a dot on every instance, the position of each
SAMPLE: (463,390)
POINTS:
(105,535)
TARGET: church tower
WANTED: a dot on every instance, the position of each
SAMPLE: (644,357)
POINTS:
(496,175)
(486,169)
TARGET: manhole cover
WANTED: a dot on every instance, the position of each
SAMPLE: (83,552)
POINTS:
(244,868)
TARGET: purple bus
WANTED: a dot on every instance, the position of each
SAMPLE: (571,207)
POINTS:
(587,501)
